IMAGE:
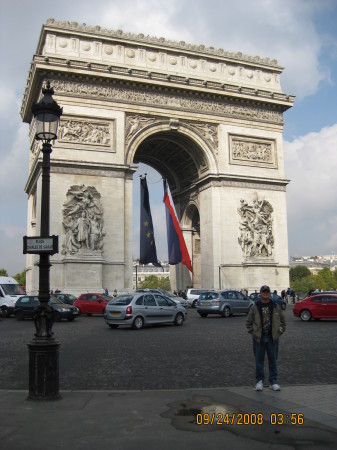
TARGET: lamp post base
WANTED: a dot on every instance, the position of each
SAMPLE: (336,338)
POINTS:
(43,369)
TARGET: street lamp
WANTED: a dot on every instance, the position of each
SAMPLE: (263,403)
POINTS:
(44,349)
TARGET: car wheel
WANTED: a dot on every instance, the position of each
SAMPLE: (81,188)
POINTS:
(138,323)
(226,312)
(179,319)
(20,315)
(194,304)
(111,325)
(5,312)
(70,319)
(89,314)
(57,317)
(305,315)
(203,314)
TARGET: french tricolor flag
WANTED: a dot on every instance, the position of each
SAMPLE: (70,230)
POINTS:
(177,250)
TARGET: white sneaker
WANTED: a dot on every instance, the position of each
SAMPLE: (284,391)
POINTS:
(259,386)
(275,387)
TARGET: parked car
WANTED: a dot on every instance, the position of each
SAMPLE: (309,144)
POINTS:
(10,291)
(193,295)
(274,297)
(92,303)
(25,307)
(318,306)
(66,298)
(175,298)
(142,308)
(225,303)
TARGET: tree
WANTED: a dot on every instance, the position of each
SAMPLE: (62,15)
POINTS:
(299,272)
(21,278)
(325,279)
(3,273)
(154,282)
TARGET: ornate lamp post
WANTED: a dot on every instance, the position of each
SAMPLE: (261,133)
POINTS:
(44,349)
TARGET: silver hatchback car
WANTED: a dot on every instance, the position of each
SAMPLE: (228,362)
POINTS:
(225,303)
(141,308)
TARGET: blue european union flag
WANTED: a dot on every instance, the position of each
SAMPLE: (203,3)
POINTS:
(148,252)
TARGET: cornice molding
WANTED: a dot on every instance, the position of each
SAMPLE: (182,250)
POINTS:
(161,42)
(108,73)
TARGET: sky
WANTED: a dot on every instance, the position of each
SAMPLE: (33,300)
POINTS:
(300,34)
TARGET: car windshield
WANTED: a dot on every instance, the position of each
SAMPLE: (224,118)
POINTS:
(121,300)
(208,295)
(12,289)
(71,296)
(54,300)
(167,294)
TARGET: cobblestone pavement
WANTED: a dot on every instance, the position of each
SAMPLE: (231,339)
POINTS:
(203,353)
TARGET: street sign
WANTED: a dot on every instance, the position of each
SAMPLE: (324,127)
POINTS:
(38,245)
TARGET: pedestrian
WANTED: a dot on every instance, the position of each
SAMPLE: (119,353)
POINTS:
(266,323)
(106,292)
(288,293)
(115,293)
(293,296)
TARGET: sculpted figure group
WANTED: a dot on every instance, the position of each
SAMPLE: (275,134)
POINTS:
(82,220)
(256,231)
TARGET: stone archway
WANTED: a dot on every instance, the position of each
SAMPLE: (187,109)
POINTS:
(208,120)
(181,154)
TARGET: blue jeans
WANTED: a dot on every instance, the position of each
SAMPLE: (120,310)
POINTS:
(266,345)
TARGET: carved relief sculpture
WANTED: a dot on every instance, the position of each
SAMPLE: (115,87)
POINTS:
(256,228)
(209,133)
(246,150)
(84,132)
(136,123)
(82,221)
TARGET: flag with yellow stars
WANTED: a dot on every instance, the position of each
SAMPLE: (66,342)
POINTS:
(148,252)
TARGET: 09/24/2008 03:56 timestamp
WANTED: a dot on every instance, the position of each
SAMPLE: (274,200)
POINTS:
(249,419)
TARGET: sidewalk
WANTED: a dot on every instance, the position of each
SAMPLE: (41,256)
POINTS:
(167,420)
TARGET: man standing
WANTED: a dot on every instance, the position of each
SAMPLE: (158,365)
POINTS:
(266,323)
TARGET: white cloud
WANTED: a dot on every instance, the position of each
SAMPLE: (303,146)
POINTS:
(311,165)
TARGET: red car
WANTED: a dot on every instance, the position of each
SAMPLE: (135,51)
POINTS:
(92,303)
(321,306)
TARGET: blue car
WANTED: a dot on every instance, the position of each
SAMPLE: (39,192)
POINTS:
(274,297)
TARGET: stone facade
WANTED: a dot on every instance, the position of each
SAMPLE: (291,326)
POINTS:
(209,121)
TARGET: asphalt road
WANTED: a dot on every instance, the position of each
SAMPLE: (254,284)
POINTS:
(204,352)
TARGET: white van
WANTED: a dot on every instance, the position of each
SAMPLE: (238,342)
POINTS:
(193,295)
(10,291)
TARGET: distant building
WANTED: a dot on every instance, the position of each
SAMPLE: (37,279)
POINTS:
(315,263)
(141,271)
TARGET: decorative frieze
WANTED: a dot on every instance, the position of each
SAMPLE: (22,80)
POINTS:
(256,228)
(139,96)
(85,132)
(248,150)
(82,222)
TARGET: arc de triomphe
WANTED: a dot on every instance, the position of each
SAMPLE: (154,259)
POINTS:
(208,120)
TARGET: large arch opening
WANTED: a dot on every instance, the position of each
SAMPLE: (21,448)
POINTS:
(180,160)
(175,156)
